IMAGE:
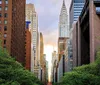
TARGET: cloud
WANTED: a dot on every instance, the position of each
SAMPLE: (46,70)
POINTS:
(48,17)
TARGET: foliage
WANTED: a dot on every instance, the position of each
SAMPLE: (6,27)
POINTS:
(13,73)
(84,75)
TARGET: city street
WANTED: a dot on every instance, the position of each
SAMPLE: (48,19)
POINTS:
(49,42)
(49,83)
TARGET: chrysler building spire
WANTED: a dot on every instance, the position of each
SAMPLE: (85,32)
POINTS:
(63,2)
(63,22)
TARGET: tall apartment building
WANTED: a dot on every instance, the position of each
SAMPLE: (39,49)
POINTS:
(31,15)
(63,22)
(75,10)
(12,27)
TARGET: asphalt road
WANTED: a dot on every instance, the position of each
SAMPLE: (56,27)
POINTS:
(49,83)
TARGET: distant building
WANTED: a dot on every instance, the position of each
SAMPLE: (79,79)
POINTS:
(61,68)
(31,15)
(47,71)
(41,50)
(42,59)
(63,22)
(68,57)
(28,47)
(61,47)
(75,10)
(54,66)
(12,28)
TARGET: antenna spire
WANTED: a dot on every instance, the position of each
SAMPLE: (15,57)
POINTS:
(63,2)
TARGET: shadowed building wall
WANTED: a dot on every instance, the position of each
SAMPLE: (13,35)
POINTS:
(88,30)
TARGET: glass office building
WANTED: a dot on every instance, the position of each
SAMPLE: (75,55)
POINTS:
(75,10)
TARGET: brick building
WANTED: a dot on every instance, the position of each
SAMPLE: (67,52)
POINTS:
(12,27)
(28,47)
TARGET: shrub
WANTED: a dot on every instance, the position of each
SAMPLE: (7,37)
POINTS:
(84,75)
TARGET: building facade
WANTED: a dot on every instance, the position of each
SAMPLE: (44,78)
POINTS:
(54,66)
(75,10)
(41,50)
(12,28)
(63,22)
(31,15)
(28,47)
(87,33)
(61,68)
(42,59)
(61,47)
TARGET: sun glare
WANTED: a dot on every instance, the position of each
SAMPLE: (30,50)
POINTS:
(48,49)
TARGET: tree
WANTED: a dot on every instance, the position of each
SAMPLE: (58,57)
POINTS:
(84,75)
(13,73)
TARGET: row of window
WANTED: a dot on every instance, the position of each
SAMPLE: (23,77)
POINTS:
(6,1)
(6,8)
(5,15)
(5,22)
(5,28)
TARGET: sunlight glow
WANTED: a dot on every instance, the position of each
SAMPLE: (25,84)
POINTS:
(48,49)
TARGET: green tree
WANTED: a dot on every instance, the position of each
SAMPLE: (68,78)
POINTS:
(84,75)
(13,73)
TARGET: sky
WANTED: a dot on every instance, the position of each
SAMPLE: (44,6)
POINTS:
(48,12)
(48,21)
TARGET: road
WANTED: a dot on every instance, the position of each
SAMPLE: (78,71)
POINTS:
(49,83)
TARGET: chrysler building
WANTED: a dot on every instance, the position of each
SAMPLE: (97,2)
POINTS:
(63,22)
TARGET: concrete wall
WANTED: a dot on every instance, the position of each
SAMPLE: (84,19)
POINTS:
(94,31)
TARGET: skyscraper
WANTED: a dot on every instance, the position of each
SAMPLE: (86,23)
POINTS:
(31,15)
(63,22)
(41,50)
(75,10)
(12,27)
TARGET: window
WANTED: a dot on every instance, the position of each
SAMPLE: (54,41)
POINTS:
(0,35)
(0,21)
(4,41)
(98,10)
(5,15)
(0,15)
(0,28)
(5,28)
(4,47)
(6,1)
(0,1)
(0,8)
(6,8)
(5,22)
(5,35)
